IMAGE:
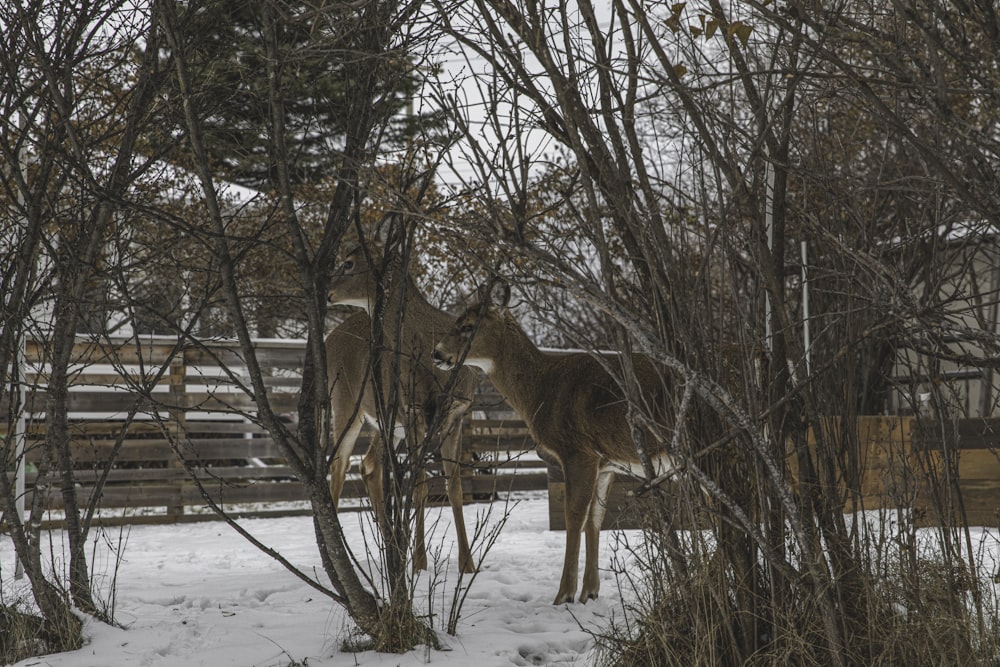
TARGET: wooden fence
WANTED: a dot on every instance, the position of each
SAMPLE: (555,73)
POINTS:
(134,400)
(947,473)
(943,473)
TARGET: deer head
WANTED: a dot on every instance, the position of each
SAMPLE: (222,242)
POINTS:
(354,281)
(475,336)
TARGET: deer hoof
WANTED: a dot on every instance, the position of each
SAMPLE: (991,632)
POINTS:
(563,598)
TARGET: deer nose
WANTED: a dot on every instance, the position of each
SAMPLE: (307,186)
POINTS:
(439,359)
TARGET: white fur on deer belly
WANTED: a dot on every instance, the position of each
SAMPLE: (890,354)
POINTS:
(398,431)
(484,364)
(662,464)
(357,303)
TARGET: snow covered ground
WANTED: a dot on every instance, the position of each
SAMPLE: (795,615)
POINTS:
(199,594)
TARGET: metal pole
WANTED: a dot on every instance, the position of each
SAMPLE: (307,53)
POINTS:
(806,336)
(20,423)
(769,231)
(20,435)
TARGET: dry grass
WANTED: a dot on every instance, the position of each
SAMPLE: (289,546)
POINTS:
(717,604)
(698,623)
(24,634)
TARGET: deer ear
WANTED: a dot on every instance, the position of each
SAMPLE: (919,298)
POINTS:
(386,230)
(498,294)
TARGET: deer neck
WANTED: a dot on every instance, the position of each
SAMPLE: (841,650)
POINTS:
(517,370)
(405,300)
(408,312)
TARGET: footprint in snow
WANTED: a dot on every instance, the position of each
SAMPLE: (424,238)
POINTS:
(531,654)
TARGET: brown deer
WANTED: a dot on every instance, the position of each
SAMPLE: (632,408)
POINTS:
(411,326)
(574,410)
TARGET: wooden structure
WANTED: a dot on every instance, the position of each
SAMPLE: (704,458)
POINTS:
(948,473)
(167,415)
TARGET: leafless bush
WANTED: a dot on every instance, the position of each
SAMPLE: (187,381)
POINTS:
(726,166)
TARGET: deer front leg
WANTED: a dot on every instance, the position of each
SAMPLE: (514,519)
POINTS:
(419,506)
(347,432)
(410,463)
(595,517)
(581,478)
(451,453)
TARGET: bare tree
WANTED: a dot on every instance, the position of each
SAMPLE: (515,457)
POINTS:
(75,103)
(709,143)
(369,42)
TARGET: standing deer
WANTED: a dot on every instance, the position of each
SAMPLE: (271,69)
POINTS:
(411,326)
(574,410)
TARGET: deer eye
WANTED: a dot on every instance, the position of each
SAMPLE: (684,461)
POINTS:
(348,265)
(466,329)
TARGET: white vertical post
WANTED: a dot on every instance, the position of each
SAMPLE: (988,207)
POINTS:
(20,434)
(769,230)
(806,335)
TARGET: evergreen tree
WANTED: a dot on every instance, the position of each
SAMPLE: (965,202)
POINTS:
(228,65)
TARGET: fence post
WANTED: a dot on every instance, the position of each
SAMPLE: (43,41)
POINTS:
(176,415)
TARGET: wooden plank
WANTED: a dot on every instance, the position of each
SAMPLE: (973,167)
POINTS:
(978,464)
(147,475)
(116,497)
(110,428)
(980,501)
(123,380)
(123,351)
(137,496)
(121,401)
(288,384)
(274,355)
(152,519)
(154,450)
(96,401)
(161,450)
(493,443)
(261,492)
(84,452)
(975,433)
(481,485)
(507,423)
(237,402)
(516,464)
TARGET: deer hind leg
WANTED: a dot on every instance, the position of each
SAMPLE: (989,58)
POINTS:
(371,474)
(409,460)
(451,460)
(347,434)
(419,506)
(595,517)
(581,480)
